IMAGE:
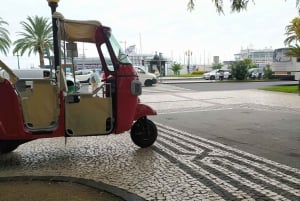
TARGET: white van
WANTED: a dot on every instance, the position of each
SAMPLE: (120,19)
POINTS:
(32,73)
(28,73)
(147,79)
(40,73)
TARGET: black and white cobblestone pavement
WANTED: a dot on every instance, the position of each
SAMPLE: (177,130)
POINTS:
(180,166)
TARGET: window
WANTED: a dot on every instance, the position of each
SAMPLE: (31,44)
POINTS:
(120,54)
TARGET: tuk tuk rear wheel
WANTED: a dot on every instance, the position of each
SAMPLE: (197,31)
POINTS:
(143,133)
(7,146)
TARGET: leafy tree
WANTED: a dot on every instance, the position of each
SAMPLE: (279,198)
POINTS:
(216,66)
(250,63)
(176,67)
(268,72)
(4,38)
(37,37)
(239,69)
(293,31)
(236,5)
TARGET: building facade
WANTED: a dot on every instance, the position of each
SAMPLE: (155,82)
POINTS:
(284,66)
(261,57)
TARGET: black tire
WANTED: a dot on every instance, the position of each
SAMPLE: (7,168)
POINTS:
(148,83)
(7,146)
(143,133)
(212,77)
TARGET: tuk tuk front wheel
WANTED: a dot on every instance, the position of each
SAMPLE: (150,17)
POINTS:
(148,83)
(143,132)
(7,146)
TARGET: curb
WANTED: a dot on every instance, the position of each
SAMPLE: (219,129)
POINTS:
(125,195)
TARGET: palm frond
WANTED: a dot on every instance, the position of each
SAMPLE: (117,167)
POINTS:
(4,37)
(292,31)
(219,5)
(293,51)
(191,5)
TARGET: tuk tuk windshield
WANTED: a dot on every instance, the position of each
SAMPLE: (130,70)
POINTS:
(120,54)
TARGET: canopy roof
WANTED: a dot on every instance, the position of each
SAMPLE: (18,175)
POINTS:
(77,30)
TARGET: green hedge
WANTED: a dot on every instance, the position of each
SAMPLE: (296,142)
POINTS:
(198,72)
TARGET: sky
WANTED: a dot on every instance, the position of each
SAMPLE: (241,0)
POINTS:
(167,26)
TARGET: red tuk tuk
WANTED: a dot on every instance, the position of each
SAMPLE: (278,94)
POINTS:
(43,108)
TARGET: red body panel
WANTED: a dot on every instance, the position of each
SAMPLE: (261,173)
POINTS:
(128,107)
(11,119)
(126,102)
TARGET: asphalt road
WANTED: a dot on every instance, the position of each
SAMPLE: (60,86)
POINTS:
(264,130)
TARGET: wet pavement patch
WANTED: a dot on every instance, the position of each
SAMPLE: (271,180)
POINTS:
(36,188)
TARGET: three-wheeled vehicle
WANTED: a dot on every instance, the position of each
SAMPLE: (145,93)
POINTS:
(43,108)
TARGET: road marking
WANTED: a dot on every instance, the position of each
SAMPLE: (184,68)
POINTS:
(195,110)
(230,173)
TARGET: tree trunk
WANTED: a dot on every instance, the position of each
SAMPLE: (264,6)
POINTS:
(41,55)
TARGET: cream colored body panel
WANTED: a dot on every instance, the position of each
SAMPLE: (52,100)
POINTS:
(89,116)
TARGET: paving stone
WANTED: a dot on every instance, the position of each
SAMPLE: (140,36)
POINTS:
(164,172)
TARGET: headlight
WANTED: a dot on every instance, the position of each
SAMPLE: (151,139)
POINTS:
(136,87)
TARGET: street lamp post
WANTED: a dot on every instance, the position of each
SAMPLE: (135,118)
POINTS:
(188,54)
(53,5)
(18,59)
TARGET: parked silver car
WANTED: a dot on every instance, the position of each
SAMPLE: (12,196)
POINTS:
(215,74)
(255,73)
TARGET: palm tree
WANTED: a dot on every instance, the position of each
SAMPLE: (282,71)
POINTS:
(293,31)
(37,37)
(176,67)
(293,51)
(4,38)
(236,5)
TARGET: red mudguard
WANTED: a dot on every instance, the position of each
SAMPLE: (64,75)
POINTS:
(143,110)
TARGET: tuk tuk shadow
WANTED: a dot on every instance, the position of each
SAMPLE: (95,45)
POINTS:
(18,161)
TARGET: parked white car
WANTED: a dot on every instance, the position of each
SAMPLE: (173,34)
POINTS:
(83,75)
(215,74)
(147,79)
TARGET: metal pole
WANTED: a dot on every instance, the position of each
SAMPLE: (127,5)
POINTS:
(53,5)
(189,54)
(188,66)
